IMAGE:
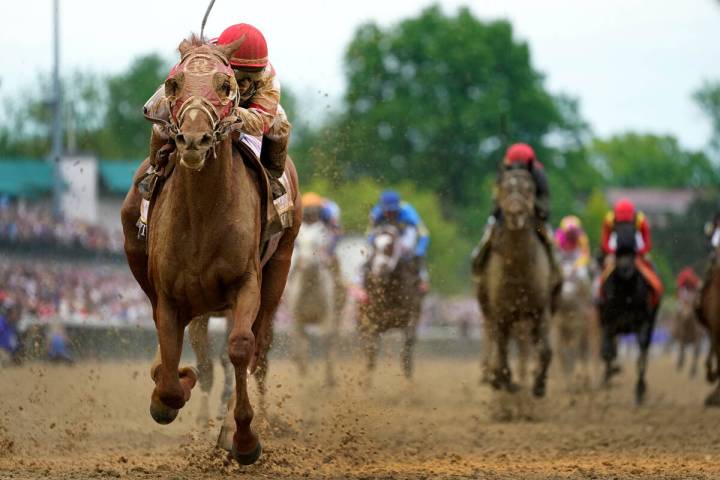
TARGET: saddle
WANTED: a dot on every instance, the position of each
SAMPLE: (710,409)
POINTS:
(646,270)
(278,213)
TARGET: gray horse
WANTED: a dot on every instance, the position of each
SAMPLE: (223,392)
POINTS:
(516,284)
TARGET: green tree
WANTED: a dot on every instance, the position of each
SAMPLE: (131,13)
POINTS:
(126,132)
(634,159)
(708,98)
(435,99)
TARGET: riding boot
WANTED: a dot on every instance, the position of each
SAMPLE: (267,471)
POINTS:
(273,156)
(481,252)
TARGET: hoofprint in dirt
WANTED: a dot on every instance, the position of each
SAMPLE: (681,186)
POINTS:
(91,421)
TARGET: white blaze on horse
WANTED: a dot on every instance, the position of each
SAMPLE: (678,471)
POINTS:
(311,295)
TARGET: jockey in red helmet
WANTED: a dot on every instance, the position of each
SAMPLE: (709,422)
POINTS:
(626,227)
(522,155)
(259,113)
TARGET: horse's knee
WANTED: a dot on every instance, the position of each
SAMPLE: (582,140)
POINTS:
(241,347)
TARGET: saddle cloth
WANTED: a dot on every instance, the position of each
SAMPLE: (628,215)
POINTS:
(646,270)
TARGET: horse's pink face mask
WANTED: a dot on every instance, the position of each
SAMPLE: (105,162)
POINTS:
(202,93)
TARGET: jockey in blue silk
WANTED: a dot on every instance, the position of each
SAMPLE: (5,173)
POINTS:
(414,235)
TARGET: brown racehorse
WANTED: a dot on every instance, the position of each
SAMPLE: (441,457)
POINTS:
(203,251)
(709,315)
(516,285)
(686,331)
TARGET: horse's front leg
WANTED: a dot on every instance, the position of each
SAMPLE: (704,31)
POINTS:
(608,353)
(544,352)
(408,346)
(172,387)
(246,447)
(644,337)
(502,376)
(697,343)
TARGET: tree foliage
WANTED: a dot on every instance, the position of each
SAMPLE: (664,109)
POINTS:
(708,98)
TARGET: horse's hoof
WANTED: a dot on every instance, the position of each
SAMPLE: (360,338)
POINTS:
(539,390)
(247,458)
(713,400)
(163,414)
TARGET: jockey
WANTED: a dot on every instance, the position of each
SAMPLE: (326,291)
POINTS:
(317,208)
(414,238)
(626,222)
(522,156)
(687,280)
(259,112)
(572,241)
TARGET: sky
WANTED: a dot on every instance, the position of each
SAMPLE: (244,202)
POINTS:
(632,63)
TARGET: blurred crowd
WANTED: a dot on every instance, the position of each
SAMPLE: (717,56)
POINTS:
(34,224)
(71,293)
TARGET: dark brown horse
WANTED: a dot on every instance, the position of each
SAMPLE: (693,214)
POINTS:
(709,314)
(516,286)
(393,298)
(204,239)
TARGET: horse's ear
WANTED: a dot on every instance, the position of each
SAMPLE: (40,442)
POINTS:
(184,47)
(229,49)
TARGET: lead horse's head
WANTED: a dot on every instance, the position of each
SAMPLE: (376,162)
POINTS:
(202,94)
(516,198)
(386,250)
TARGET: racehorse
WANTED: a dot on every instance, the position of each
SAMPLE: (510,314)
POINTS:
(626,307)
(571,321)
(686,331)
(393,298)
(709,315)
(204,240)
(516,284)
(312,296)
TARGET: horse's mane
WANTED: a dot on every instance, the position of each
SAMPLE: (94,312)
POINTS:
(193,40)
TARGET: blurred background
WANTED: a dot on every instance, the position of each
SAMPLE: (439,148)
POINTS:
(619,98)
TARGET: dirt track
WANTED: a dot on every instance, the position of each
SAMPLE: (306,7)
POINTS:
(91,421)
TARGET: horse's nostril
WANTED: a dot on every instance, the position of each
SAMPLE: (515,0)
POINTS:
(180,139)
(206,140)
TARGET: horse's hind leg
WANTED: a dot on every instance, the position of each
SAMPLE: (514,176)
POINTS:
(542,345)
(681,356)
(697,343)
(172,387)
(407,351)
(200,343)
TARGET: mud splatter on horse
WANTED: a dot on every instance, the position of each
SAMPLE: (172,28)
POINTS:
(392,283)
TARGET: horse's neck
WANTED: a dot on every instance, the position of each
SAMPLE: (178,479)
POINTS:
(215,186)
(516,245)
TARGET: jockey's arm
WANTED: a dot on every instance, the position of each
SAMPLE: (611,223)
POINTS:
(409,216)
(644,230)
(542,195)
(262,108)
(605,237)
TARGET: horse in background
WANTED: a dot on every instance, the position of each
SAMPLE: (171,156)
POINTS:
(516,286)
(709,315)
(392,286)
(312,296)
(572,319)
(205,250)
(686,331)
(625,307)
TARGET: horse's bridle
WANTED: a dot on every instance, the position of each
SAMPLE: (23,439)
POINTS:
(193,69)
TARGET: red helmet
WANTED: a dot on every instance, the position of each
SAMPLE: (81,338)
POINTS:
(624,210)
(253,53)
(520,153)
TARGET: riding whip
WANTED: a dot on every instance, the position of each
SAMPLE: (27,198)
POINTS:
(204,20)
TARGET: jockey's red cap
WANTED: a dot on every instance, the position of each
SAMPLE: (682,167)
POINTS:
(624,210)
(520,153)
(253,53)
